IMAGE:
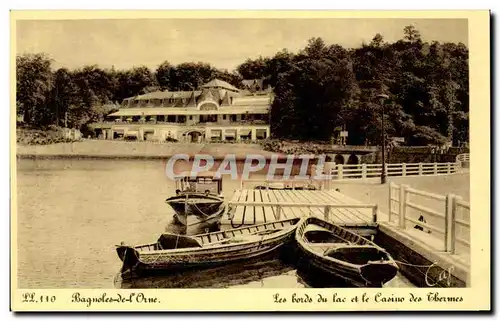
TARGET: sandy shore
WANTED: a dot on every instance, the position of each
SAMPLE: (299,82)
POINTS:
(122,149)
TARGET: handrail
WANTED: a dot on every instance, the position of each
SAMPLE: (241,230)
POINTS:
(363,171)
(451,203)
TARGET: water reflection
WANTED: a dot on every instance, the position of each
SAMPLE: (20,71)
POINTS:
(254,270)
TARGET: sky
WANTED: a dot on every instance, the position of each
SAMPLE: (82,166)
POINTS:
(224,43)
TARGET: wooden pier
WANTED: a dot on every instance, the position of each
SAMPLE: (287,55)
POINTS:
(254,206)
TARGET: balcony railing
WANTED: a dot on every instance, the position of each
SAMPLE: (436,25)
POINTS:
(240,122)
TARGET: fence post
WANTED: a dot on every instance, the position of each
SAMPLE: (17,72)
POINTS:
(448,169)
(327,213)
(403,169)
(363,171)
(435,168)
(447,222)
(339,171)
(420,172)
(374,213)
(402,205)
(391,187)
(278,212)
(450,223)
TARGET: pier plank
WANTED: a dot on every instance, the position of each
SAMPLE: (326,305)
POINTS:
(239,212)
(273,198)
(249,217)
(296,197)
(362,214)
(315,211)
(259,210)
(295,212)
(290,211)
(236,195)
(269,214)
(336,215)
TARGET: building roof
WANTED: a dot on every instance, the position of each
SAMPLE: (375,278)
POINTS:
(220,83)
(155,111)
(248,83)
(167,95)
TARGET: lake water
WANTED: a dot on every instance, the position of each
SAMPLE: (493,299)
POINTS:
(71,213)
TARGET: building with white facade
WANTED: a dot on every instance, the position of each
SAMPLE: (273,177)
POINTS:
(217,111)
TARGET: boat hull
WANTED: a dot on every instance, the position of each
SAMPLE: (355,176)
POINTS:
(366,274)
(193,210)
(137,263)
(375,275)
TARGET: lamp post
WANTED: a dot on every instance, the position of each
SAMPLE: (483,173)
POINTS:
(382,98)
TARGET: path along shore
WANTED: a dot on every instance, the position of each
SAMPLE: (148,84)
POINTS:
(147,150)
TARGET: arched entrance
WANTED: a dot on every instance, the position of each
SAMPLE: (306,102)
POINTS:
(194,136)
(339,159)
(353,159)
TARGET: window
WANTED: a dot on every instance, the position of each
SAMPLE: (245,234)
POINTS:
(224,117)
(160,118)
(233,117)
(171,118)
(190,117)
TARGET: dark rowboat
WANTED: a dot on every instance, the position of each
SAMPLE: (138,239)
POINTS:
(344,254)
(197,208)
(174,252)
(198,200)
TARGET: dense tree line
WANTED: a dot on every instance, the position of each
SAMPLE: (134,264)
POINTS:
(318,91)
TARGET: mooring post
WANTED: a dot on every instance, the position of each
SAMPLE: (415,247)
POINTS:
(374,213)
(339,171)
(402,205)
(327,213)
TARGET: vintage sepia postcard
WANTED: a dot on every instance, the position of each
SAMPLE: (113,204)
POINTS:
(250,161)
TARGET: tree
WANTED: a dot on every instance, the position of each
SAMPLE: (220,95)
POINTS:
(254,68)
(163,75)
(310,98)
(411,34)
(191,75)
(34,81)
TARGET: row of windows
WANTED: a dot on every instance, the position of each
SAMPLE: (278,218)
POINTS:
(202,118)
(160,102)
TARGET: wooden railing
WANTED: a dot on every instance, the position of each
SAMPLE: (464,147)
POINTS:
(463,158)
(374,170)
(326,206)
(445,222)
(288,183)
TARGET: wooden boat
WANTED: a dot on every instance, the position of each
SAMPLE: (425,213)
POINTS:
(198,200)
(344,254)
(173,252)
